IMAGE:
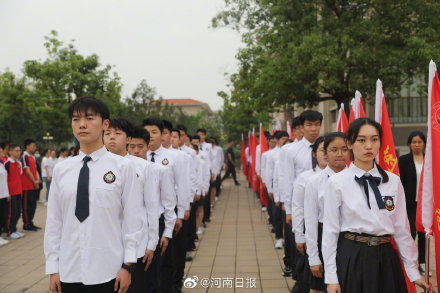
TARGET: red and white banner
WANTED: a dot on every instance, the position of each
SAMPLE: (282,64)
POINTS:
(264,147)
(357,108)
(342,122)
(428,215)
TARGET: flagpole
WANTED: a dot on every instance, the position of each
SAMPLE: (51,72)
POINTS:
(427,249)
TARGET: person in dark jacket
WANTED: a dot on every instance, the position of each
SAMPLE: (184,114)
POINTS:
(410,166)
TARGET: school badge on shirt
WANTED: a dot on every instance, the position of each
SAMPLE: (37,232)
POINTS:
(389,203)
(109,177)
(165,162)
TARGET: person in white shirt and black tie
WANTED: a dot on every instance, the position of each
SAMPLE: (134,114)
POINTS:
(364,206)
(94,215)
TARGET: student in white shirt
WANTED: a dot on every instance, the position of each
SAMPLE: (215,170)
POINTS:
(204,177)
(138,147)
(219,161)
(296,159)
(116,138)
(337,154)
(94,215)
(63,155)
(363,207)
(47,166)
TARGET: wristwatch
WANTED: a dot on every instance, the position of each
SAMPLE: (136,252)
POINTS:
(129,268)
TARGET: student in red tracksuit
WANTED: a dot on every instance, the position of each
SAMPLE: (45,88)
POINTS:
(31,185)
(15,170)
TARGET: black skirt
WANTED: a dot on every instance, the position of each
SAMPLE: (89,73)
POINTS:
(364,269)
(316,283)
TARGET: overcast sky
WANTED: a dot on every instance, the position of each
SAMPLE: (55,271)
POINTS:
(167,42)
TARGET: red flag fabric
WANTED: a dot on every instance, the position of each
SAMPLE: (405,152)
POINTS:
(243,155)
(387,156)
(342,123)
(352,116)
(254,180)
(429,214)
(362,112)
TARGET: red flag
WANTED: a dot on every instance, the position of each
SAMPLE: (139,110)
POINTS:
(387,155)
(243,155)
(429,213)
(342,122)
(352,115)
(253,146)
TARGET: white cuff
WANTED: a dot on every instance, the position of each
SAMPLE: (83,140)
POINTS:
(168,233)
(52,267)
(331,278)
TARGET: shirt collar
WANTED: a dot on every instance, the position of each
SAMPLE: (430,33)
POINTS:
(160,150)
(10,159)
(306,142)
(359,172)
(95,155)
(329,171)
(26,153)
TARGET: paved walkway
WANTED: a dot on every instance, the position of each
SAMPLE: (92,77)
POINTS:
(235,251)
(235,254)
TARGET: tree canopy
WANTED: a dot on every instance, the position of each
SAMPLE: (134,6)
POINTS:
(304,52)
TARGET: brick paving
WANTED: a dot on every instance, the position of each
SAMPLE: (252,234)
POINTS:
(237,250)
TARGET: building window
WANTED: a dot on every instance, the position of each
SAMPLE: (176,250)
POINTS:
(408,109)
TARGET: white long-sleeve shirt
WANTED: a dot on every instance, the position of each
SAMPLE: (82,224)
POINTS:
(264,166)
(150,176)
(193,173)
(168,199)
(297,205)
(205,169)
(92,251)
(271,160)
(314,211)
(258,160)
(298,159)
(218,160)
(346,210)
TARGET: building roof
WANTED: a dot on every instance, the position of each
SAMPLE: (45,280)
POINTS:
(181,101)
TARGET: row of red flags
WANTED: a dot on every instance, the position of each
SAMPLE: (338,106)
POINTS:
(428,209)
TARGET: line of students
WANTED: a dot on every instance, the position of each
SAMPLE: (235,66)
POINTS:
(19,189)
(124,213)
(336,223)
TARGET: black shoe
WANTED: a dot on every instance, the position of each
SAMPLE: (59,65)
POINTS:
(36,227)
(204,225)
(287,271)
(208,221)
(29,228)
(237,184)
(188,258)
(272,230)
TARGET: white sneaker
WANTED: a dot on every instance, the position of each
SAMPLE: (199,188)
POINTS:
(279,243)
(3,241)
(263,209)
(15,235)
(216,198)
(200,231)
(42,201)
(20,234)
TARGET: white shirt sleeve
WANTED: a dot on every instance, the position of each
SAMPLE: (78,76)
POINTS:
(331,230)
(311,211)
(402,235)
(152,202)
(168,201)
(258,160)
(180,169)
(54,224)
(298,210)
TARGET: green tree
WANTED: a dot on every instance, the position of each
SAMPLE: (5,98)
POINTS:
(63,76)
(307,51)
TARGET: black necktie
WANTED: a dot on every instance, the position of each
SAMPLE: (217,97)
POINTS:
(152,156)
(314,161)
(82,194)
(374,182)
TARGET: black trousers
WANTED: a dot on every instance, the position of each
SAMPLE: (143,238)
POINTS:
(421,240)
(207,205)
(230,171)
(270,209)
(277,221)
(14,213)
(218,184)
(4,212)
(190,239)
(29,205)
(81,288)
(179,254)
(289,243)
(153,273)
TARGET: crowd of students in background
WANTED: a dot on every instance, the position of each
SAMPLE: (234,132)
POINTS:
(23,172)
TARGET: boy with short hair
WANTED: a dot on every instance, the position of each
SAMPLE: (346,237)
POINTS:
(31,185)
(94,215)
